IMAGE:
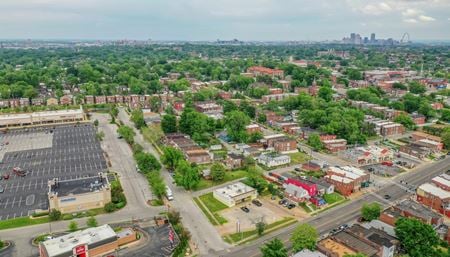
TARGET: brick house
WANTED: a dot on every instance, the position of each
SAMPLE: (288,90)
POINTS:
(111,99)
(234,161)
(259,71)
(409,208)
(434,197)
(65,100)
(253,128)
(100,99)
(418,119)
(335,145)
(90,99)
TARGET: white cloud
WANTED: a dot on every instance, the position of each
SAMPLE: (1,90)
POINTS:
(376,9)
(425,18)
(410,12)
(410,20)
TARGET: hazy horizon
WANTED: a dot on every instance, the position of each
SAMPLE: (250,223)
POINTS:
(202,20)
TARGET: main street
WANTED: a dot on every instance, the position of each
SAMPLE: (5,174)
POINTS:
(204,234)
(348,212)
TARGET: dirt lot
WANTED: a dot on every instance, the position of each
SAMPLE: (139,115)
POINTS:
(270,212)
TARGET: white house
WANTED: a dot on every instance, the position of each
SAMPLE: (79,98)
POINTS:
(273,159)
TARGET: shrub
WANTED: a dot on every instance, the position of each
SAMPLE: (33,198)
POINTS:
(54,215)
(110,207)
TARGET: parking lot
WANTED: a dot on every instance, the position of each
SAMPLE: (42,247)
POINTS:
(63,152)
(383,170)
(269,212)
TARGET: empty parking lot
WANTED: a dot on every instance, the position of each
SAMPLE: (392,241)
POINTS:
(64,152)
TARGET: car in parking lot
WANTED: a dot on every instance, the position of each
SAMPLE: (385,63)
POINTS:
(2,189)
(291,206)
(257,203)
(297,169)
(245,209)
(387,197)
(5,176)
(282,202)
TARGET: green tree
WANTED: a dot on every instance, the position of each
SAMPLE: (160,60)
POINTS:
(127,133)
(96,123)
(171,157)
(109,207)
(260,227)
(169,123)
(406,121)
(217,172)
(91,222)
(137,117)
(147,162)
(304,237)
(274,248)
(445,115)
(326,93)
(370,211)
(416,88)
(315,142)
(255,137)
(445,135)
(235,122)
(417,238)
(400,86)
(73,226)
(54,215)
(157,184)
(186,175)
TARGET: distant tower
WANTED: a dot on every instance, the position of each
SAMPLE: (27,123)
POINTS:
(352,38)
(372,38)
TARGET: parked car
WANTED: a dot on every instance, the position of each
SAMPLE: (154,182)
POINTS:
(387,197)
(245,209)
(282,202)
(6,176)
(297,169)
(343,226)
(290,206)
(387,163)
(257,203)
(2,189)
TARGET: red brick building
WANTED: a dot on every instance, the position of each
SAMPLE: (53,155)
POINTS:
(259,71)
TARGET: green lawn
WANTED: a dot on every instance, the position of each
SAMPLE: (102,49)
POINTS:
(21,222)
(298,157)
(333,198)
(229,176)
(236,237)
(210,218)
(211,203)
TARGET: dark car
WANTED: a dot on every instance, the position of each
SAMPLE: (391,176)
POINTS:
(257,203)
(297,169)
(6,176)
(245,209)
(387,197)
(282,202)
(290,206)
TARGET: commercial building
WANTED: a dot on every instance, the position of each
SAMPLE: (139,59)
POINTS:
(386,243)
(81,194)
(192,152)
(308,253)
(347,179)
(335,145)
(280,143)
(90,242)
(40,118)
(369,155)
(408,208)
(235,194)
(273,159)
(330,247)
(433,196)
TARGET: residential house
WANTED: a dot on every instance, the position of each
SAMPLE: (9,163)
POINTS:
(52,101)
(234,161)
(260,71)
(65,100)
(273,159)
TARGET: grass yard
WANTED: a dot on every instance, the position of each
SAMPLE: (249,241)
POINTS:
(333,198)
(236,237)
(229,176)
(208,215)
(212,203)
(298,157)
(22,222)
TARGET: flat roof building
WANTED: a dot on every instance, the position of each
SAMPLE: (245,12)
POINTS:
(79,194)
(235,194)
(39,118)
(89,242)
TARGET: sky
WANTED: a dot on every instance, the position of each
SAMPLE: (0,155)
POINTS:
(271,20)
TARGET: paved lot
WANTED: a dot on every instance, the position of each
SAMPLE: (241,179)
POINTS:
(268,212)
(157,246)
(65,152)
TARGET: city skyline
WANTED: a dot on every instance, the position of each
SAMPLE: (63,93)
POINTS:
(245,20)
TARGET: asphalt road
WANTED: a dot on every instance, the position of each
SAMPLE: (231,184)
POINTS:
(348,212)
